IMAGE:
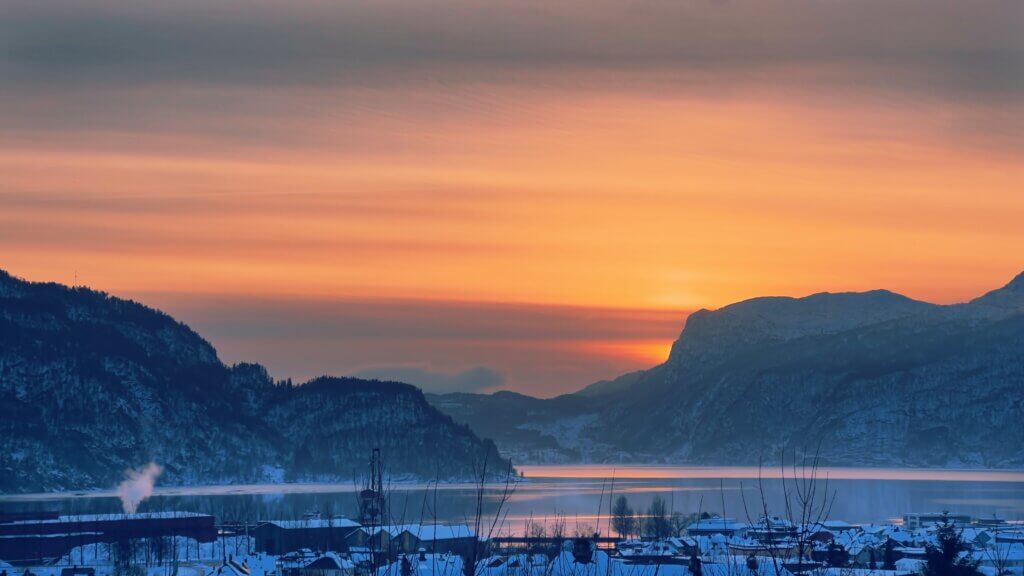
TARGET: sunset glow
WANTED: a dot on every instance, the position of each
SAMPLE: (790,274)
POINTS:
(518,199)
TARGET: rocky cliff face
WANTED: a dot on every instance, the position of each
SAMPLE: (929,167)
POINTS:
(91,385)
(872,378)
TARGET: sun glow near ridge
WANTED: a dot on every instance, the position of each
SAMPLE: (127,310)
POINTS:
(490,160)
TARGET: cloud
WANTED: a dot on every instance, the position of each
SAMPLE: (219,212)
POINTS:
(963,46)
(472,380)
(253,73)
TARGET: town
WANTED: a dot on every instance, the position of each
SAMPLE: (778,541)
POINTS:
(192,544)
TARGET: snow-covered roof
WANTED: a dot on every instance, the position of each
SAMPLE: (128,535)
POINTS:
(737,566)
(1000,553)
(601,564)
(232,568)
(428,565)
(315,523)
(513,565)
(972,534)
(54,535)
(434,532)
(845,571)
(330,561)
(709,524)
(111,517)
(909,565)
(839,525)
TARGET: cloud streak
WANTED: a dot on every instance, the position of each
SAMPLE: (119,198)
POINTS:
(103,41)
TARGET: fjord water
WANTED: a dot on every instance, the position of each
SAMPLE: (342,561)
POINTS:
(581,494)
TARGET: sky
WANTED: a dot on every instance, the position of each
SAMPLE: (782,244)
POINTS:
(521,195)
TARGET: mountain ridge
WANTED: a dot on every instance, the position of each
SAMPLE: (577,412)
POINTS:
(864,373)
(92,385)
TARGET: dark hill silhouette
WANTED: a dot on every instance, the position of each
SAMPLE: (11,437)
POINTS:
(875,378)
(91,385)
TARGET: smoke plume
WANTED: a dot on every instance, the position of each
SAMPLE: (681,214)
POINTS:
(137,486)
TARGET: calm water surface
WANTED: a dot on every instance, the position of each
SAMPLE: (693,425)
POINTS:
(581,494)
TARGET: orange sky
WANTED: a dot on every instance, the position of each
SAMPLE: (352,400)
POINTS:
(602,178)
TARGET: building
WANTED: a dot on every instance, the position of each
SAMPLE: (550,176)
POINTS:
(1010,537)
(321,534)
(918,520)
(771,529)
(424,565)
(513,565)
(1007,558)
(434,538)
(727,527)
(40,540)
(837,526)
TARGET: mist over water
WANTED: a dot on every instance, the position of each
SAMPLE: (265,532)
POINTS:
(582,494)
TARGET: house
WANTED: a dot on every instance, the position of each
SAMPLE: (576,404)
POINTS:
(837,526)
(78,571)
(667,551)
(860,572)
(684,545)
(916,520)
(749,566)
(912,565)
(771,528)
(581,558)
(1010,537)
(745,547)
(1002,557)
(916,553)
(433,538)
(976,537)
(727,527)
(231,567)
(330,564)
(513,565)
(423,564)
(714,545)
(328,534)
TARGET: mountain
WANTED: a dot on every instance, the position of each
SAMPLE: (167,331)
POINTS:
(870,379)
(91,385)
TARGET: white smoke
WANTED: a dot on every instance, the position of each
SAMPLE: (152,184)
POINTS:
(137,486)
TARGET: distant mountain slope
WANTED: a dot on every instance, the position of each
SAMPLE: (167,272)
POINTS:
(875,378)
(518,423)
(91,385)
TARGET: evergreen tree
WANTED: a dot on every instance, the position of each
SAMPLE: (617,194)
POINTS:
(837,556)
(946,558)
(889,556)
(696,567)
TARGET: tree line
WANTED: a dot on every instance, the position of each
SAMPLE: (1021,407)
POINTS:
(657,521)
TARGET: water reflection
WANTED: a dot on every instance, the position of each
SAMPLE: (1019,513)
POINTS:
(581,495)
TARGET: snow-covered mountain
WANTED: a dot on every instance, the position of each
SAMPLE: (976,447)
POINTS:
(91,385)
(875,378)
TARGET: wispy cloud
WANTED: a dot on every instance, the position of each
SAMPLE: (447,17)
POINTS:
(959,46)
